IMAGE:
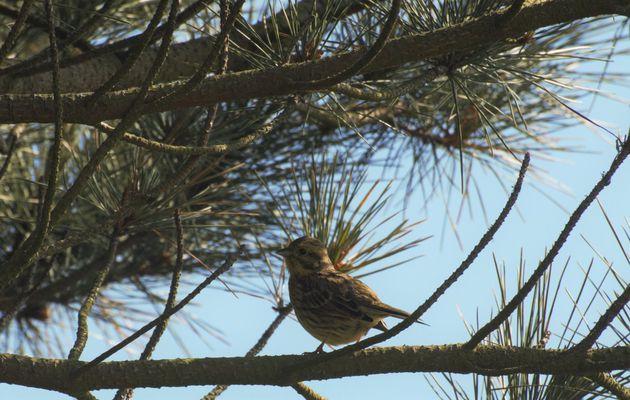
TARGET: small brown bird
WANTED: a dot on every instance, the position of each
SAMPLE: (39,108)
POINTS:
(331,305)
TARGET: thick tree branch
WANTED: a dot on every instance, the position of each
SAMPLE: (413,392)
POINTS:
(56,374)
(286,79)
(94,66)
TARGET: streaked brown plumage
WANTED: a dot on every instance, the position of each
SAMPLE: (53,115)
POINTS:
(331,305)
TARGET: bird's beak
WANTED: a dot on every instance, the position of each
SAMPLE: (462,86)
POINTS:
(283,252)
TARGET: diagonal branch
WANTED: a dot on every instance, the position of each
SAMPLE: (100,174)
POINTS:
(306,392)
(604,321)
(365,60)
(90,299)
(20,19)
(407,322)
(167,314)
(23,258)
(33,244)
(624,151)
(607,381)
(127,393)
(257,348)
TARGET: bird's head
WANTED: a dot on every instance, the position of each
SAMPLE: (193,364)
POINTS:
(306,255)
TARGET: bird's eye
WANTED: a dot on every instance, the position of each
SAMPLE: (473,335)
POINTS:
(302,252)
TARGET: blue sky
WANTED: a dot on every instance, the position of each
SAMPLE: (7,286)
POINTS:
(531,230)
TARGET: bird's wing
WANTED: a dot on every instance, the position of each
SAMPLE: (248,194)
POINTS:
(387,310)
(339,293)
(357,297)
(371,304)
(332,294)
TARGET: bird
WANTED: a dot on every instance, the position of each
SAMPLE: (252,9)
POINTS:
(331,305)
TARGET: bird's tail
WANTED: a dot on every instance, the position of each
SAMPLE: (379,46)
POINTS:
(394,312)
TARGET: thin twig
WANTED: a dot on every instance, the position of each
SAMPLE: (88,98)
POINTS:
(307,392)
(511,12)
(623,151)
(9,155)
(26,67)
(211,114)
(264,338)
(35,21)
(218,148)
(34,242)
(212,58)
(38,61)
(389,93)
(605,380)
(133,57)
(53,163)
(90,299)
(224,267)
(81,395)
(407,322)
(363,61)
(9,42)
(23,259)
(127,393)
(172,294)
(12,310)
(604,321)
(257,348)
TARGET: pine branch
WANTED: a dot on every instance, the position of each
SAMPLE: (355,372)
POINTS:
(285,80)
(55,374)
(483,332)
(159,320)
(257,348)
(20,19)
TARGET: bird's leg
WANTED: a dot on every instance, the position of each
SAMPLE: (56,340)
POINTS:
(320,348)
